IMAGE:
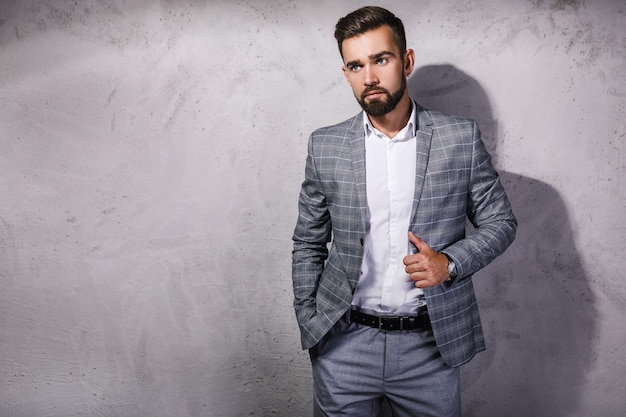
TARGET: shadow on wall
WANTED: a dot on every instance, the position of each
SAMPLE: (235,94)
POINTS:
(536,304)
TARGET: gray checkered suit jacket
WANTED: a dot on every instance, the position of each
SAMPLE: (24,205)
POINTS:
(454,181)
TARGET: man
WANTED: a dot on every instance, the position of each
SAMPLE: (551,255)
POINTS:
(389,310)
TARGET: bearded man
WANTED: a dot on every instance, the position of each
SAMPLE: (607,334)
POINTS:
(389,311)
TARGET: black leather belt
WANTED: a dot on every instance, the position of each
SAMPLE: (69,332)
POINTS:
(421,321)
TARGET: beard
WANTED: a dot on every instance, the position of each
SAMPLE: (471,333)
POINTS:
(380,107)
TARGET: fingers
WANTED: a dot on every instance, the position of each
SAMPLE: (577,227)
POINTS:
(420,270)
(425,279)
(419,243)
(418,256)
(426,267)
(416,241)
(422,277)
(424,283)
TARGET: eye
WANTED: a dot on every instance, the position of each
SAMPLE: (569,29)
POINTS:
(381,61)
(355,68)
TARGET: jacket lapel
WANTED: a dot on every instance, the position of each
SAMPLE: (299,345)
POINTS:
(424,139)
(357,149)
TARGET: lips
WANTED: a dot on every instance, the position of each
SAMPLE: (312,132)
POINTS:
(371,94)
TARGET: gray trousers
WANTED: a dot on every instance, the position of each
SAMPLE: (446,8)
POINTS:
(355,367)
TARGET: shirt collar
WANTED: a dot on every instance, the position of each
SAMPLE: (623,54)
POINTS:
(408,132)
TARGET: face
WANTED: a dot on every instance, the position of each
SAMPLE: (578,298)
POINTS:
(377,70)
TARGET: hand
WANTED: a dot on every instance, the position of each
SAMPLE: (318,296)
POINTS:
(426,267)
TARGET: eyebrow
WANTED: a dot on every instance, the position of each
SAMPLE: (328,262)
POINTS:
(372,57)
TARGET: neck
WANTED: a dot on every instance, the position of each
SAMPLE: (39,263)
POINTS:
(394,121)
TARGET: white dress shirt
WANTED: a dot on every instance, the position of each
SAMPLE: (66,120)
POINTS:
(384,287)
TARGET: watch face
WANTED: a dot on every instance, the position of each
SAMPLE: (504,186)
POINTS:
(452,269)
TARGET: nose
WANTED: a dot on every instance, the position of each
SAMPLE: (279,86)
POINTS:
(371,77)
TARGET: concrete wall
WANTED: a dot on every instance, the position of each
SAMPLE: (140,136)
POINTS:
(150,159)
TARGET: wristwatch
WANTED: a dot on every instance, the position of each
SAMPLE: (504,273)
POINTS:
(452,271)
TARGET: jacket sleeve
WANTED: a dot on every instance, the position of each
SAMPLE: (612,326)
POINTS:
(489,210)
(311,236)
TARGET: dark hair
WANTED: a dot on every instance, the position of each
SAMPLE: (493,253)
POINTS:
(369,18)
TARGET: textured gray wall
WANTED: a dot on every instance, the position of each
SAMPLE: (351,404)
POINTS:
(150,159)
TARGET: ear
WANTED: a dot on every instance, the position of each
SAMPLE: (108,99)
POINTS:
(409,61)
(345,72)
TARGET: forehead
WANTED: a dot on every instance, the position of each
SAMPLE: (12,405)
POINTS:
(372,42)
